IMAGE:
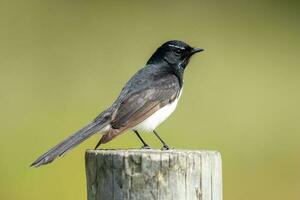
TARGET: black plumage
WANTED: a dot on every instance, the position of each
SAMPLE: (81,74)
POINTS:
(154,86)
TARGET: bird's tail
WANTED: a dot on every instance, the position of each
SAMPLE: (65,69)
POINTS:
(97,125)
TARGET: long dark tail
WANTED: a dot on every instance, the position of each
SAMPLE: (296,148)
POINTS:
(71,141)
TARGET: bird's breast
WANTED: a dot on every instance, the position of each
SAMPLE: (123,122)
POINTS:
(158,117)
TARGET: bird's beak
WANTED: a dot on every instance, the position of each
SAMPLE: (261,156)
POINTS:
(196,50)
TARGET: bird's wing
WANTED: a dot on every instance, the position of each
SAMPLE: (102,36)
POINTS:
(141,104)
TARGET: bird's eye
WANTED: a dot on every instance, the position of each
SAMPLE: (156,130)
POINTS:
(178,51)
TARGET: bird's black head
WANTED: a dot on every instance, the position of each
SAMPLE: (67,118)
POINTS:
(175,53)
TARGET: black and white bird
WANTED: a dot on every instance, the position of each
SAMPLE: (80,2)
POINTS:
(146,100)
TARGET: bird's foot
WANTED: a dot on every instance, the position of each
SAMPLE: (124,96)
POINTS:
(146,147)
(98,144)
(165,147)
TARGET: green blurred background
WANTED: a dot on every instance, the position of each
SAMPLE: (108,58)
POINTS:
(62,62)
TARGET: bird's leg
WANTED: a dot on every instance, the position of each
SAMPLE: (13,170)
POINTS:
(145,146)
(165,146)
(98,144)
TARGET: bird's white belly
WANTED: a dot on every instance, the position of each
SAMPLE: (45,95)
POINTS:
(158,117)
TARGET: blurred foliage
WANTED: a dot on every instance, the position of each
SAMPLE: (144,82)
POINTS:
(62,62)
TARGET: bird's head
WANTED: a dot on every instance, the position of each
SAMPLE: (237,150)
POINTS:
(175,53)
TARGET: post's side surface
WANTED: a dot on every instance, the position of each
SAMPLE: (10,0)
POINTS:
(153,174)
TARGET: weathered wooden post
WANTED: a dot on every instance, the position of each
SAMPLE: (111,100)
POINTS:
(153,174)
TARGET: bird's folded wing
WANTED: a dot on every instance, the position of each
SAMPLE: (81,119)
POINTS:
(141,104)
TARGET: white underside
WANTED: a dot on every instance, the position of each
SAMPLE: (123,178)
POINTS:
(158,117)
(105,129)
(154,120)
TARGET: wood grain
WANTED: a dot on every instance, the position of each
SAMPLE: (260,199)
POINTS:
(134,174)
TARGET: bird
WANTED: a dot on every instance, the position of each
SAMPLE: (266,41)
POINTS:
(146,100)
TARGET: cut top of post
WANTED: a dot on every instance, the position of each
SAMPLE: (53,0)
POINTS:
(153,174)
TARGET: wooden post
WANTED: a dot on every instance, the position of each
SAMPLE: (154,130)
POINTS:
(153,174)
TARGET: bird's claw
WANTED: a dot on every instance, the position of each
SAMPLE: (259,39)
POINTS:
(146,147)
(165,147)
